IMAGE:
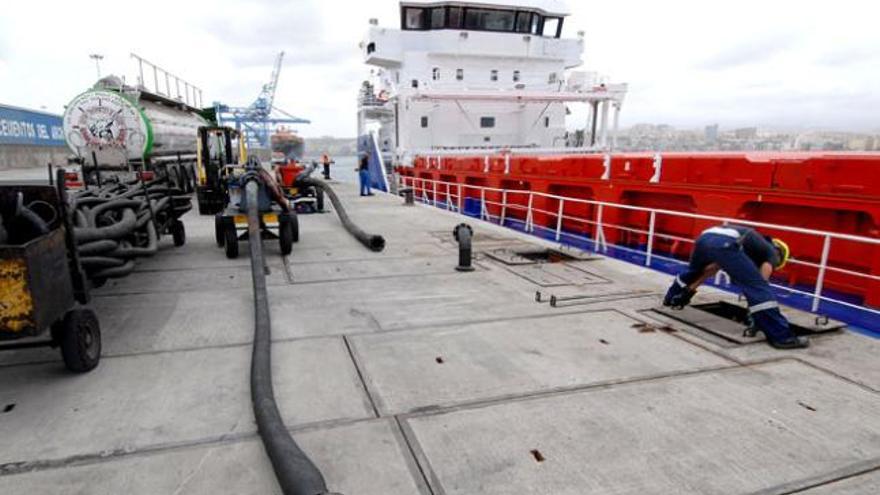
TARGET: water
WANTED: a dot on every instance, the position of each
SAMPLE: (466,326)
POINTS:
(343,170)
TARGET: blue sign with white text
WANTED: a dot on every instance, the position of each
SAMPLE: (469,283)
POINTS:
(20,126)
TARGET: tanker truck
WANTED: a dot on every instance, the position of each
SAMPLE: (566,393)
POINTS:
(114,128)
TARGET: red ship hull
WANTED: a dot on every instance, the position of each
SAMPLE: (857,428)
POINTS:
(835,192)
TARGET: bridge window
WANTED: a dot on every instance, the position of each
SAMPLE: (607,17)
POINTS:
(493,75)
(414,18)
(524,21)
(415,83)
(424,122)
(435,74)
(535,25)
(438,18)
(453,20)
(487,122)
(552,78)
(552,27)
(546,121)
(371,48)
(516,76)
(459,74)
(489,20)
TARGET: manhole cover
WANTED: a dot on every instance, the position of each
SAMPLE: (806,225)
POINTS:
(728,320)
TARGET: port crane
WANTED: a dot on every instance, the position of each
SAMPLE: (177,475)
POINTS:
(258,120)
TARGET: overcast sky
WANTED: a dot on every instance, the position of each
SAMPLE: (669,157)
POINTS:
(772,63)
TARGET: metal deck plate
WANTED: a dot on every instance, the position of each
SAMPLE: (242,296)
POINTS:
(556,274)
(733,331)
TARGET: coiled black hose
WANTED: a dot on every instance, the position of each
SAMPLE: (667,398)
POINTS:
(374,242)
(296,473)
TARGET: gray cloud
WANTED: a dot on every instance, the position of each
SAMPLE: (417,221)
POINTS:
(750,52)
(845,56)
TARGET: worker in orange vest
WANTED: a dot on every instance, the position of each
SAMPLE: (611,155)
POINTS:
(326,161)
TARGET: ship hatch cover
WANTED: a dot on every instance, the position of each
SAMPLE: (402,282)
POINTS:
(536,255)
(728,320)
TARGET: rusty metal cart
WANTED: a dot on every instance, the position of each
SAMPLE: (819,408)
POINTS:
(42,289)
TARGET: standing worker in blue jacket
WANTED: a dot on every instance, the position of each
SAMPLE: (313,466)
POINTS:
(749,258)
(364,174)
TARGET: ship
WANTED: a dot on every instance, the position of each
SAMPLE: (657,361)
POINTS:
(466,103)
(286,145)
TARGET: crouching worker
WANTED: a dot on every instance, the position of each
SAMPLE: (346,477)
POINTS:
(748,258)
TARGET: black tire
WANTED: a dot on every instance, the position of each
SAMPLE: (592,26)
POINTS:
(230,241)
(202,201)
(285,233)
(218,230)
(79,336)
(294,226)
(319,199)
(178,233)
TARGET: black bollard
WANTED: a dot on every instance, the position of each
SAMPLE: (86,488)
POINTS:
(408,197)
(463,234)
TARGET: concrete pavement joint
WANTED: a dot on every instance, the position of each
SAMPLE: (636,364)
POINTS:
(355,361)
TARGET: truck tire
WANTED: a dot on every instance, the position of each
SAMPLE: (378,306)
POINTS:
(178,233)
(319,199)
(285,233)
(230,241)
(218,230)
(79,336)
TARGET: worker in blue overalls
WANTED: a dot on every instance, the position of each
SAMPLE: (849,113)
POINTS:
(748,258)
(363,171)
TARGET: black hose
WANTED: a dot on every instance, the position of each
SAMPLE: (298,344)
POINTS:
(115,272)
(296,473)
(100,262)
(372,241)
(96,247)
(119,229)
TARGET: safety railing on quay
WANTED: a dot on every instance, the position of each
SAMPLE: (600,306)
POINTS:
(453,196)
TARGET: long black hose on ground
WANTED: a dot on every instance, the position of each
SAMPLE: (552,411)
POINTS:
(296,473)
(372,241)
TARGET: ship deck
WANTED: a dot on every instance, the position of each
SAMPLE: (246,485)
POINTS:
(399,375)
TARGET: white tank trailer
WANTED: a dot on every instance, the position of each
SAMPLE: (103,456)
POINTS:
(123,128)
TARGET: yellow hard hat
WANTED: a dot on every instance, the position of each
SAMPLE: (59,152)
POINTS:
(784,252)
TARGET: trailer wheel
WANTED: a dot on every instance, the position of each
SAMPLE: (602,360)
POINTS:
(319,199)
(285,233)
(178,233)
(294,225)
(79,336)
(218,230)
(231,241)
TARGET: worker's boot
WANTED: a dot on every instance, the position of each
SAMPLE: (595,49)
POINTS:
(775,327)
(679,295)
(796,342)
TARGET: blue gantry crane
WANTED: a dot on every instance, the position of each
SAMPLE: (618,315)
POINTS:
(259,119)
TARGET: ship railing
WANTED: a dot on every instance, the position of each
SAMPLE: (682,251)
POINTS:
(454,196)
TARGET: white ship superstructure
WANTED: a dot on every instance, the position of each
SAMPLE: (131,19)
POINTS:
(459,76)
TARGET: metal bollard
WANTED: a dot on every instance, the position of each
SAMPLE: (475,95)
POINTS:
(463,234)
(408,197)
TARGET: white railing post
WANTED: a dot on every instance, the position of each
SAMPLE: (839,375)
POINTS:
(425,193)
(448,201)
(559,219)
(460,200)
(600,235)
(530,221)
(503,206)
(435,192)
(650,249)
(820,280)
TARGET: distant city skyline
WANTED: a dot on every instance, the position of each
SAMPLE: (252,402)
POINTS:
(775,65)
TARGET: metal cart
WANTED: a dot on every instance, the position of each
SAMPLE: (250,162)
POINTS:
(42,288)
